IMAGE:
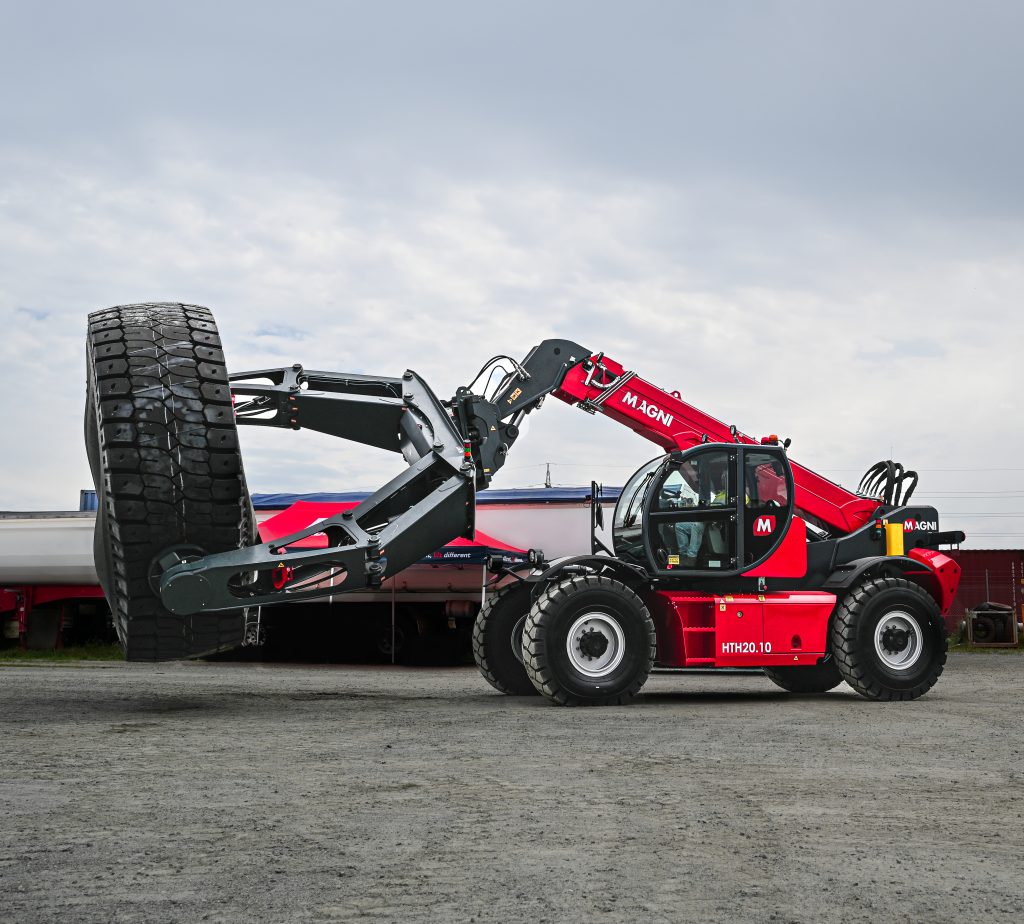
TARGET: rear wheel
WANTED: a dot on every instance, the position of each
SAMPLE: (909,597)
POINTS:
(888,639)
(589,641)
(163,448)
(498,640)
(817,679)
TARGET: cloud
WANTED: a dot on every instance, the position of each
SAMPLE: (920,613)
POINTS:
(791,216)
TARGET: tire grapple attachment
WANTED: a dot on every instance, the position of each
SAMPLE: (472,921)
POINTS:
(176,545)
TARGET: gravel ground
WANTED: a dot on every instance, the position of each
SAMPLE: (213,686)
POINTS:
(189,792)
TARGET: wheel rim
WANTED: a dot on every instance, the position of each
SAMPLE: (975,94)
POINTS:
(596,644)
(899,641)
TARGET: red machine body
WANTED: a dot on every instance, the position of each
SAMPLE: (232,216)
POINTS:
(782,629)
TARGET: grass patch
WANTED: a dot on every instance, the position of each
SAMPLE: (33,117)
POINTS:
(984,649)
(92,652)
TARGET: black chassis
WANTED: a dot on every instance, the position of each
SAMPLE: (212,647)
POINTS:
(453,449)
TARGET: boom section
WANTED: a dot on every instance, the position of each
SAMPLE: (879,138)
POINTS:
(601,385)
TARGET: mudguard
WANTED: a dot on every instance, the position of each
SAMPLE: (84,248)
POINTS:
(934,571)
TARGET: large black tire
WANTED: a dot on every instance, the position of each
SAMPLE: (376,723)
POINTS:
(589,641)
(498,640)
(163,449)
(820,678)
(888,639)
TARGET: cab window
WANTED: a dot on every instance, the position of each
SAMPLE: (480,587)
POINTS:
(698,482)
(765,481)
(631,503)
(767,504)
(693,514)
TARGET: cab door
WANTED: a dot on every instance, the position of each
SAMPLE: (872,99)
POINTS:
(691,513)
(718,509)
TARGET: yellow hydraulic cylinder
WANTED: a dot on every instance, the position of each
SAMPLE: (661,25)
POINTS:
(893,538)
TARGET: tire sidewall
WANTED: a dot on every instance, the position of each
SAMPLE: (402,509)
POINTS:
(102,556)
(629,612)
(933,640)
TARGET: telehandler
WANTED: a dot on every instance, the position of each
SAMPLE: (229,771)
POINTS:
(724,553)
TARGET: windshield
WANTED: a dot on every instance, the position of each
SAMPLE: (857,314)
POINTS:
(631,501)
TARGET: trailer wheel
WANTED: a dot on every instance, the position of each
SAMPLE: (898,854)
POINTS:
(163,448)
(589,641)
(498,640)
(817,679)
(888,639)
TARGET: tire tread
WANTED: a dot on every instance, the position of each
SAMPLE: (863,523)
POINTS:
(483,627)
(537,662)
(169,469)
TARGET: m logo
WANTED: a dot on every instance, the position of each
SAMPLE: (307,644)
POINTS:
(764,526)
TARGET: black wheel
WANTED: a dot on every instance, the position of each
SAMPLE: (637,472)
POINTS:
(399,643)
(817,679)
(162,445)
(498,640)
(983,629)
(888,639)
(589,641)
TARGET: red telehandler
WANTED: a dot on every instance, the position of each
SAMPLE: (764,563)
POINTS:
(724,553)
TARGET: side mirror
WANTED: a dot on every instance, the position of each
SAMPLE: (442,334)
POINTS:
(595,504)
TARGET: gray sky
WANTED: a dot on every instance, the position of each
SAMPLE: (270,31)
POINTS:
(806,217)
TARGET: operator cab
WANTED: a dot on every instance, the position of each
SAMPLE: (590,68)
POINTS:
(717,509)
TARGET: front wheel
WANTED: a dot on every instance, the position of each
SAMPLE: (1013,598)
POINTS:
(588,641)
(888,639)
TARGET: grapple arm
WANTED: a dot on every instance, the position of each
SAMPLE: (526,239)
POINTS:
(418,511)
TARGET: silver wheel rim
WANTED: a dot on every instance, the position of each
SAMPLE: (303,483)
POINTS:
(590,632)
(899,641)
